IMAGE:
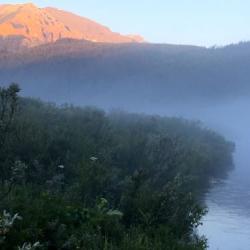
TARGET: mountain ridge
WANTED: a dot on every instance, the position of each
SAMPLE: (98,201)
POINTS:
(28,25)
(150,76)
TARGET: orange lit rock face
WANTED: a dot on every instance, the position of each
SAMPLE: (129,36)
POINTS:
(33,26)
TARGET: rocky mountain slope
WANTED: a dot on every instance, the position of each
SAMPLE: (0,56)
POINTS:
(28,25)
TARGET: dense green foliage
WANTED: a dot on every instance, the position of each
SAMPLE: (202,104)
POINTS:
(81,178)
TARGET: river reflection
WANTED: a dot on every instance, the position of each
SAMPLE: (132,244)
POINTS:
(227,224)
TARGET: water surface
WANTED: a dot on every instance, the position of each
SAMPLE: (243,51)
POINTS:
(227,224)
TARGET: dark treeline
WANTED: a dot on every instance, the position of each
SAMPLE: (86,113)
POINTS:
(107,75)
(80,178)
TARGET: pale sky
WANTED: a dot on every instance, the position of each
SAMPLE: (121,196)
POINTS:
(198,22)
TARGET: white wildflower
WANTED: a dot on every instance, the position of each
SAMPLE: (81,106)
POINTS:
(93,158)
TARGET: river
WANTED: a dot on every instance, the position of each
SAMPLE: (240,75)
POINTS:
(227,224)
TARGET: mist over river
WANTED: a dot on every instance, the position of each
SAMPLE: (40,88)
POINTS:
(227,224)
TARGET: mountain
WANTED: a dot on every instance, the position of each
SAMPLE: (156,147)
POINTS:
(142,77)
(28,25)
(61,57)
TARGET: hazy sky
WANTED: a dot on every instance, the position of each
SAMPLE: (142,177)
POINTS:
(200,22)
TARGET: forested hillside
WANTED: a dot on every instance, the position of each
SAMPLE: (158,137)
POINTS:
(80,178)
(149,75)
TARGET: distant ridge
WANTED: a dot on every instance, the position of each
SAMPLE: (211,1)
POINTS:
(28,25)
(131,76)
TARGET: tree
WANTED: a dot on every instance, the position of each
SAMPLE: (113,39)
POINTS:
(8,108)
